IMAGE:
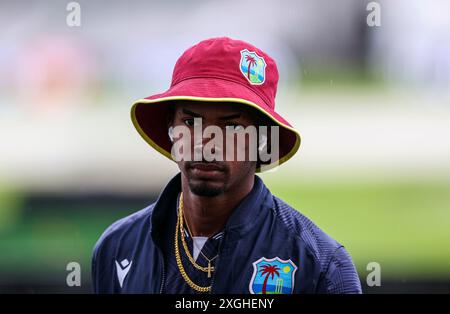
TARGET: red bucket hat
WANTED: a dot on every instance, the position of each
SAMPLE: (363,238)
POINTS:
(217,70)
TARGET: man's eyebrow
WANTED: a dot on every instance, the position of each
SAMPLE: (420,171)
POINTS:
(231,116)
(191,113)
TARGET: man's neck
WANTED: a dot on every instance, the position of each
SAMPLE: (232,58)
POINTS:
(206,216)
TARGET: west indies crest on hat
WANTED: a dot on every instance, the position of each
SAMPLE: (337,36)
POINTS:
(253,67)
(217,70)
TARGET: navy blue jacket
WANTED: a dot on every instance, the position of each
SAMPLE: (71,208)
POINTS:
(267,247)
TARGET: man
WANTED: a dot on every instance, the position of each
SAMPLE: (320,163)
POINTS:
(216,228)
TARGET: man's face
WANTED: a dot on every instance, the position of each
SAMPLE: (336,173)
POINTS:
(215,177)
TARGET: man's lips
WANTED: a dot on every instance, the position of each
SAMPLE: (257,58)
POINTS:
(203,166)
(206,171)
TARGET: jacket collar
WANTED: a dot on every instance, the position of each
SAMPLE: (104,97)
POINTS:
(243,218)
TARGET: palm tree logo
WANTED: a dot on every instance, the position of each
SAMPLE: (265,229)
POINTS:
(272,275)
(253,67)
(268,270)
(251,61)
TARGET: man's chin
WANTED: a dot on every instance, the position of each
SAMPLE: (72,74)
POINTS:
(205,189)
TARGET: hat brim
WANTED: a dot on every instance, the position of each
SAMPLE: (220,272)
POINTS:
(149,114)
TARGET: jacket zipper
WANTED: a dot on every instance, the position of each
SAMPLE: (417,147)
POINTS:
(214,275)
(217,262)
(163,271)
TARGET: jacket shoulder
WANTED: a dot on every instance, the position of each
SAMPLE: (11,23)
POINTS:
(317,242)
(337,271)
(123,225)
(110,242)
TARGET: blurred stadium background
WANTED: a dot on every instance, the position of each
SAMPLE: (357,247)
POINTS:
(372,105)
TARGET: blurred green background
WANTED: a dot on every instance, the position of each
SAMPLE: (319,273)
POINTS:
(372,105)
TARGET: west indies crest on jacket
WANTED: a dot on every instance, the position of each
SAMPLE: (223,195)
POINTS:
(272,276)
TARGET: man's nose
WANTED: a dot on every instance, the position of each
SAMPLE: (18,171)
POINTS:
(214,147)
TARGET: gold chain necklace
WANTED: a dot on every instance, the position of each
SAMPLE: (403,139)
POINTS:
(207,269)
(178,258)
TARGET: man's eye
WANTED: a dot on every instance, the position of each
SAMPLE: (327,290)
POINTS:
(191,122)
(236,127)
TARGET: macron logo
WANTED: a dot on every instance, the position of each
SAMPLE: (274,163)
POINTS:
(122,270)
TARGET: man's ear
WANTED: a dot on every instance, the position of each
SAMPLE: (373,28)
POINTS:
(262,142)
(170,133)
(266,141)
